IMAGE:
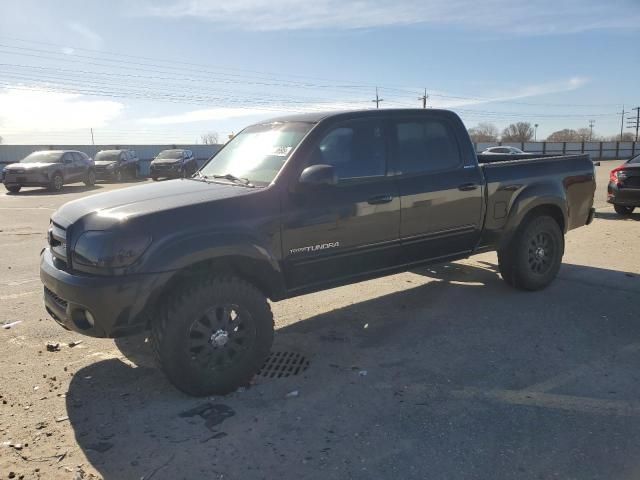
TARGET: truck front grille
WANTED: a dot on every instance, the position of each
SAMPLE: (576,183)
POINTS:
(62,303)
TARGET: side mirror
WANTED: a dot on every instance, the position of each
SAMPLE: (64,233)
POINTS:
(317,175)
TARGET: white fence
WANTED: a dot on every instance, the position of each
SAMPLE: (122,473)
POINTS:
(146,153)
(597,150)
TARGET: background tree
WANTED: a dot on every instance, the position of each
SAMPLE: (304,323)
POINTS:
(518,132)
(626,137)
(210,138)
(564,135)
(484,132)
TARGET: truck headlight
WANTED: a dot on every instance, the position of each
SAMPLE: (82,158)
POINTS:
(100,249)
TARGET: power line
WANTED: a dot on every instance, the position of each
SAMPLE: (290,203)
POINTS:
(350,86)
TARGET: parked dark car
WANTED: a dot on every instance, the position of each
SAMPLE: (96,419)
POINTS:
(623,190)
(116,165)
(296,205)
(51,169)
(176,163)
(503,150)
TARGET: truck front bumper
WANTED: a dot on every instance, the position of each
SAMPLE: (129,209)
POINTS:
(98,306)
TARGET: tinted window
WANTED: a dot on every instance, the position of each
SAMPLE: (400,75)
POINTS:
(77,157)
(355,149)
(426,146)
(635,160)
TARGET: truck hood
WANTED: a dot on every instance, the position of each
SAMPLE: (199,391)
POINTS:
(120,205)
(27,166)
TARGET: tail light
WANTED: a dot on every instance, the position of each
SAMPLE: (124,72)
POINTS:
(613,176)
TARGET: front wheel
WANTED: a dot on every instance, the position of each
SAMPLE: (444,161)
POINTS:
(13,188)
(213,336)
(622,210)
(533,257)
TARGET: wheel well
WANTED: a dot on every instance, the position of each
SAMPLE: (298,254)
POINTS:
(259,273)
(550,210)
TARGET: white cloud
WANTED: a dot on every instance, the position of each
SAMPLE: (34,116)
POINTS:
(33,110)
(89,36)
(526,17)
(438,99)
(202,115)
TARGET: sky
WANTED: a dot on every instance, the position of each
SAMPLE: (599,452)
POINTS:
(169,71)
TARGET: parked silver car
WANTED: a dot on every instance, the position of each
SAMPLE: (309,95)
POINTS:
(503,150)
(51,169)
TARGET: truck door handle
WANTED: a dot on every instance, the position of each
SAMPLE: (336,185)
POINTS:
(465,187)
(380,199)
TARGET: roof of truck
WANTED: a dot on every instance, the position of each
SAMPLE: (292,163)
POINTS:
(315,117)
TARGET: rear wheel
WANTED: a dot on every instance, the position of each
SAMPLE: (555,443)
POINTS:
(90,179)
(56,183)
(533,257)
(622,210)
(214,336)
(13,188)
(155,179)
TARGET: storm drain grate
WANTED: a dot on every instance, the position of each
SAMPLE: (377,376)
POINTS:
(283,364)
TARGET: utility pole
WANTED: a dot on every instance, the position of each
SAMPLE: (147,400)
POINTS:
(621,122)
(535,132)
(635,122)
(591,124)
(92,142)
(424,99)
(378,99)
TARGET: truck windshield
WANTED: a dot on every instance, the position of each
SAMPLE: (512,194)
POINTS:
(42,157)
(258,152)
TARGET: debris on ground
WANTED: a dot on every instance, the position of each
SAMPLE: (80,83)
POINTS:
(7,326)
(74,343)
(62,419)
(53,347)
(292,394)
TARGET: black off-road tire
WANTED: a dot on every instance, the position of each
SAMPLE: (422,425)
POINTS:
(532,259)
(622,210)
(90,179)
(155,179)
(177,335)
(13,188)
(57,182)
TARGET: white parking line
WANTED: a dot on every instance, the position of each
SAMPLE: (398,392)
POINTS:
(549,400)
(18,295)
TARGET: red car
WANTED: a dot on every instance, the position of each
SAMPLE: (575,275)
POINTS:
(624,186)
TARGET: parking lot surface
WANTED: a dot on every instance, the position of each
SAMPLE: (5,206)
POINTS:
(441,373)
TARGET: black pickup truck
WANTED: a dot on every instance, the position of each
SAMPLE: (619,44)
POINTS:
(296,205)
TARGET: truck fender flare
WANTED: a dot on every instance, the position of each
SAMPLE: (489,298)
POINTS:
(535,196)
(237,251)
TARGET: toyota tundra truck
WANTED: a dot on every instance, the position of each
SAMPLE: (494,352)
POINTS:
(295,205)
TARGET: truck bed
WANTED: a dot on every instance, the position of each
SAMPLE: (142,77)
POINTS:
(514,177)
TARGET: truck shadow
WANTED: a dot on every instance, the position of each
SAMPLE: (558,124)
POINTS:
(381,397)
(37,191)
(614,216)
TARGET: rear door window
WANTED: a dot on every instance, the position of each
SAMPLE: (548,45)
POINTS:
(424,146)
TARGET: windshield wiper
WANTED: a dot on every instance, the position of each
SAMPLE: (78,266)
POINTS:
(241,181)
